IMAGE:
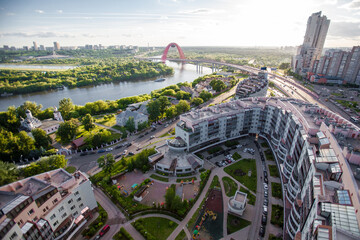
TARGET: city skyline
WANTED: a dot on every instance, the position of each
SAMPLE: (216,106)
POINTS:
(189,23)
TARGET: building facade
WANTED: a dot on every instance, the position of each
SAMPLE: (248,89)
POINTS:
(124,116)
(314,39)
(310,145)
(46,206)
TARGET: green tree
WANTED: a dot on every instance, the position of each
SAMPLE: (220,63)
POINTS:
(163,104)
(182,106)
(205,95)
(197,101)
(106,162)
(9,120)
(130,124)
(217,85)
(25,143)
(66,106)
(169,196)
(171,112)
(8,173)
(142,125)
(41,138)
(45,164)
(183,95)
(88,122)
(153,109)
(32,106)
(284,66)
(67,130)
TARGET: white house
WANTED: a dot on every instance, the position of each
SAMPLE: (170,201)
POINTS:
(124,116)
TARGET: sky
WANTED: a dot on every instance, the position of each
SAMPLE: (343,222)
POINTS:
(186,22)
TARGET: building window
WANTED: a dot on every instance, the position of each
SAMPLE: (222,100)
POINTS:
(35,219)
(20,222)
(79,199)
(52,217)
(55,223)
(13,236)
(31,212)
(64,215)
(75,213)
(62,208)
(76,193)
(54,201)
(70,201)
(72,207)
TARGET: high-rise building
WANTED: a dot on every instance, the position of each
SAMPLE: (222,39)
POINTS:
(56,46)
(352,68)
(35,46)
(42,47)
(314,39)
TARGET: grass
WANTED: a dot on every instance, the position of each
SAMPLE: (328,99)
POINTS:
(273,171)
(251,197)
(163,179)
(264,145)
(235,223)
(230,186)
(277,215)
(122,235)
(276,190)
(239,171)
(160,228)
(349,104)
(81,132)
(269,155)
(107,120)
(215,182)
(236,156)
(181,236)
(70,169)
(186,179)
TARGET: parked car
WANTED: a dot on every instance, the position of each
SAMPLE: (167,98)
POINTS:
(152,137)
(262,231)
(141,136)
(128,144)
(218,164)
(131,154)
(265,174)
(83,154)
(208,157)
(109,149)
(266,202)
(119,146)
(264,219)
(101,151)
(125,151)
(265,210)
(153,129)
(266,180)
(228,161)
(92,152)
(266,187)
(104,230)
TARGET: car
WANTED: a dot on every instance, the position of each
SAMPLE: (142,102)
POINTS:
(138,149)
(266,202)
(266,180)
(166,125)
(218,164)
(265,173)
(208,157)
(128,145)
(109,149)
(262,231)
(118,156)
(266,187)
(83,154)
(131,154)
(146,133)
(152,137)
(153,129)
(265,210)
(92,152)
(119,146)
(101,151)
(264,219)
(104,230)
(266,193)
(141,136)
(228,161)
(125,151)
(97,237)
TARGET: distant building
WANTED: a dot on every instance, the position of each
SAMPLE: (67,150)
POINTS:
(47,206)
(253,86)
(56,46)
(26,48)
(314,39)
(237,203)
(42,47)
(35,46)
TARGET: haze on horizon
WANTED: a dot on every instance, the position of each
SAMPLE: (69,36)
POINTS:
(187,22)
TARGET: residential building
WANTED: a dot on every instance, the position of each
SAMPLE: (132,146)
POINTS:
(314,39)
(312,147)
(35,46)
(42,47)
(124,116)
(352,68)
(46,206)
(253,86)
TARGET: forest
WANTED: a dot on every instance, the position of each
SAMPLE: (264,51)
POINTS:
(104,71)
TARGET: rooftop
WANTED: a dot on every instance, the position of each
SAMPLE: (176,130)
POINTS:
(240,196)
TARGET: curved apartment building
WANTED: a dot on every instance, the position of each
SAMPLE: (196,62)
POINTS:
(312,147)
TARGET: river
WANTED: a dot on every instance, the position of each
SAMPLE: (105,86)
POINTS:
(80,96)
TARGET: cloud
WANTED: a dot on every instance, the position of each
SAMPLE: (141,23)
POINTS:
(198,11)
(345,29)
(353,5)
(39,11)
(60,11)
(10,14)
(39,35)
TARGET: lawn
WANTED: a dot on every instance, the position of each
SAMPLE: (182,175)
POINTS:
(276,190)
(122,235)
(70,169)
(163,179)
(277,215)
(107,120)
(269,155)
(251,198)
(81,132)
(215,149)
(240,172)
(235,223)
(230,186)
(236,156)
(273,171)
(264,145)
(181,236)
(158,227)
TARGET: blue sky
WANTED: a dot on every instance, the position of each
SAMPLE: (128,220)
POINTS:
(187,22)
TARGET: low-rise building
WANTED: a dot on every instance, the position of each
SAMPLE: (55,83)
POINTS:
(48,125)
(124,116)
(237,203)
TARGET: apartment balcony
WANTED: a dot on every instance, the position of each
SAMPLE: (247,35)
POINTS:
(287,170)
